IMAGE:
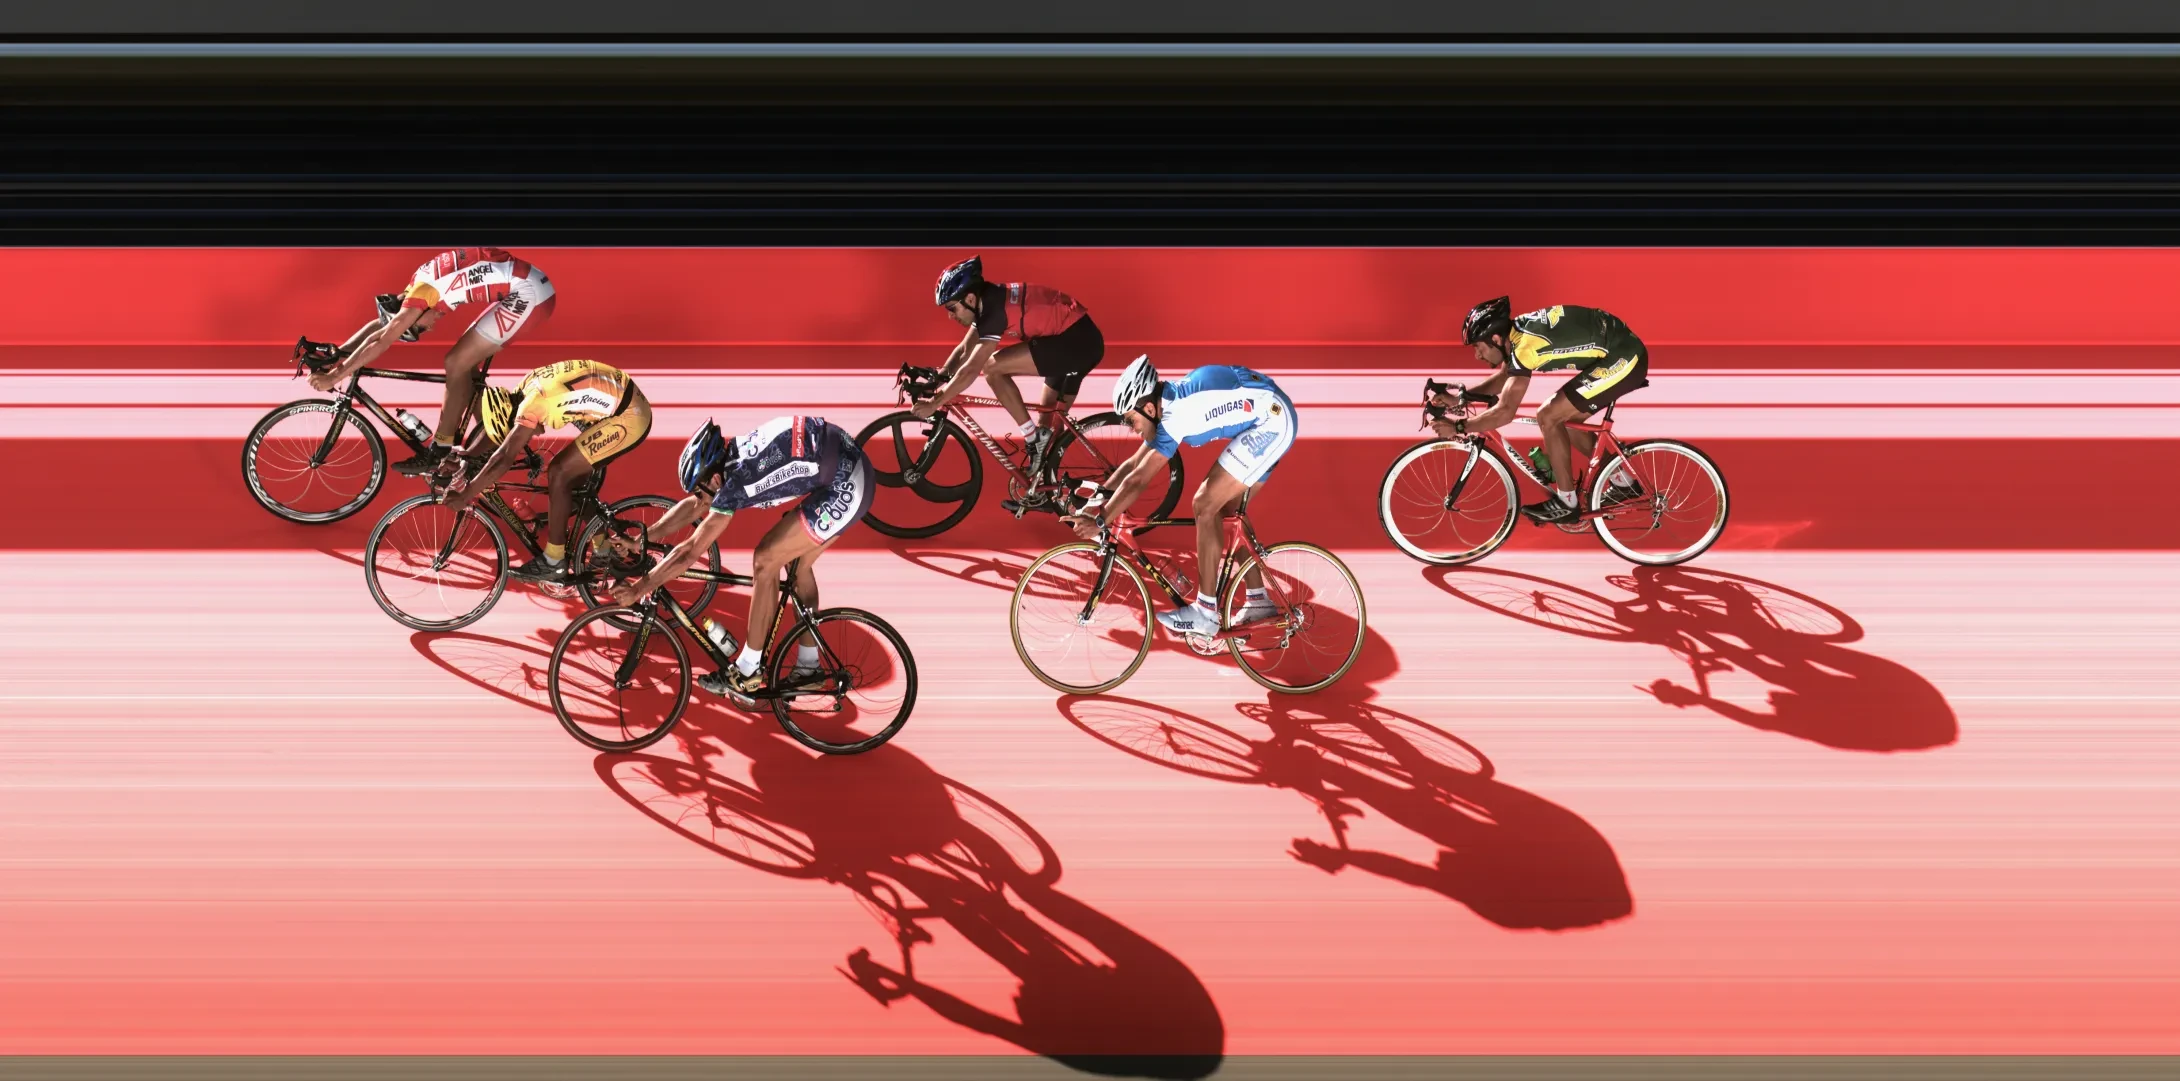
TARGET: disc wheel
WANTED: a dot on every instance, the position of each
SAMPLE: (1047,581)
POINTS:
(917,498)
(431,569)
(603,700)
(1108,441)
(1065,648)
(276,462)
(1318,632)
(1680,513)
(859,694)
(1448,502)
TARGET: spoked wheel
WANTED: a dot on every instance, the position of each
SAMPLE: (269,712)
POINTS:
(857,694)
(924,489)
(432,569)
(1317,631)
(618,689)
(277,462)
(1448,502)
(643,509)
(1680,512)
(1081,626)
(1108,441)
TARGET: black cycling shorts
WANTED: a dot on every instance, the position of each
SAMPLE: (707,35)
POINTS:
(1603,385)
(1064,358)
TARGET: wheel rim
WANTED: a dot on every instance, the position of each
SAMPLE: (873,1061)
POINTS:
(599,710)
(1412,504)
(693,595)
(1317,640)
(280,473)
(1681,514)
(1052,639)
(424,583)
(861,695)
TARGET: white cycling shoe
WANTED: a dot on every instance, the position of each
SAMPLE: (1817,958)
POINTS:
(1256,611)
(1189,619)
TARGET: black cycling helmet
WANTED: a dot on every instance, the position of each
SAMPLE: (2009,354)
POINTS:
(956,281)
(1491,317)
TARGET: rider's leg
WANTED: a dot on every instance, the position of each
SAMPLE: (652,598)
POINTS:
(1012,361)
(1218,496)
(470,353)
(569,469)
(1552,422)
(788,540)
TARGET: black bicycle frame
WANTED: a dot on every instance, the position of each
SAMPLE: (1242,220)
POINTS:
(673,607)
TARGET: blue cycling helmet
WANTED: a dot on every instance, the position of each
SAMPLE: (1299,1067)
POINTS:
(956,281)
(704,455)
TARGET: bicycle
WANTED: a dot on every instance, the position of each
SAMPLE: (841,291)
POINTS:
(1074,605)
(312,457)
(1076,456)
(608,697)
(1431,502)
(430,570)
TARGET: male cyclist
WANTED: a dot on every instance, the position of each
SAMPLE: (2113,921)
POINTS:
(1218,401)
(784,458)
(1561,336)
(514,297)
(600,401)
(1052,334)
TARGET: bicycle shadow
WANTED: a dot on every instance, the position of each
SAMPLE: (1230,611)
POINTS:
(1513,858)
(997,570)
(1715,622)
(513,670)
(1092,993)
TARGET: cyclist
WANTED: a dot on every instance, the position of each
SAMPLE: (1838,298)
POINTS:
(1052,333)
(1614,360)
(600,401)
(1219,401)
(514,297)
(783,459)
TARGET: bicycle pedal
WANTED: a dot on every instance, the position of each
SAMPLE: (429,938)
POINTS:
(1013,507)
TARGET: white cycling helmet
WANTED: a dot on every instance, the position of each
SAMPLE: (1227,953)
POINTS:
(1137,381)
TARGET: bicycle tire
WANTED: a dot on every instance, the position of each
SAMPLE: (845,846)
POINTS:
(783,658)
(1231,602)
(1636,450)
(253,478)
(556,692)
(392,609)
(880,456)
(1439,556)
(586,586)
(1166,502)
(1142,627)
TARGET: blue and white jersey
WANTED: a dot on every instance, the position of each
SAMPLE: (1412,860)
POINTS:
(784,458)
(1217,401)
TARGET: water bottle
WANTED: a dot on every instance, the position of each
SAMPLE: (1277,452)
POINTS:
(1543,464)
(719,636)
(417,429)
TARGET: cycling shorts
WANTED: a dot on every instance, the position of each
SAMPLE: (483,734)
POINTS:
(617,434)
(528,304)
(828,512)
(1064,358)
(1605,384)
(1250,456)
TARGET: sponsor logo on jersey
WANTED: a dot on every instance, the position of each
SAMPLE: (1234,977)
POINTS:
(607,439)
(588,401)
(1244,404)
(1255,442)
(785,473)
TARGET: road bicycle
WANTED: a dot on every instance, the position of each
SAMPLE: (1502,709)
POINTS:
(619,677)
(431,569)
(301,464)
(1082,622)
(1454,501)
(1082,450)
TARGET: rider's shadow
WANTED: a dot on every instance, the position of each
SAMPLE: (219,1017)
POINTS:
(916,847)
(1714,622)
(1514,858)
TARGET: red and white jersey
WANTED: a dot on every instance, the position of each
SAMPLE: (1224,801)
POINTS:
(467,276)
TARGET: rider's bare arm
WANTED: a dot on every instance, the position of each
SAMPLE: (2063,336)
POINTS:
(377,343)
(684,554)
(960,353)
(504,458)
(1130,479)
(684,512)
(1511,389)
(972,365)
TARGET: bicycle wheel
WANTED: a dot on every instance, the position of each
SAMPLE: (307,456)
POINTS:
(862,690)
(433,570)
(276,462)
(909,503)
(1447,502)
(1681,512)
(692,594)
(1108,441)
(617,689)
(1319,632)
(1075,633)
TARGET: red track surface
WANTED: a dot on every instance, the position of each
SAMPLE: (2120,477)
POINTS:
(1893,770)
